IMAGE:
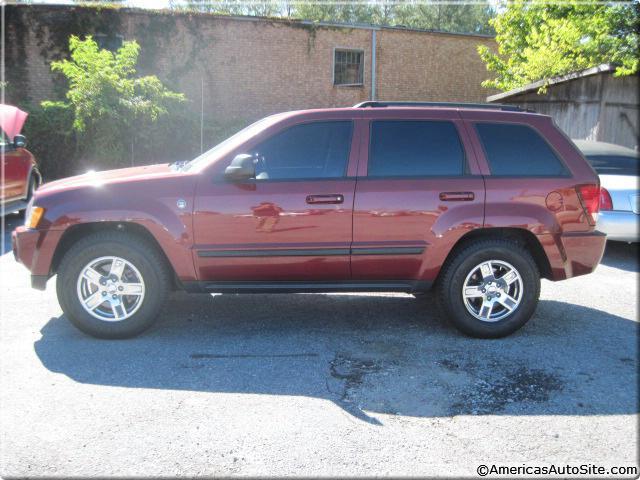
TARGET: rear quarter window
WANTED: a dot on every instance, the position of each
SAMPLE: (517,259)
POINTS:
(518,150)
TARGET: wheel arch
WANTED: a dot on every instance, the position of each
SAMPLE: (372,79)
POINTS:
(521,236)
(76,232)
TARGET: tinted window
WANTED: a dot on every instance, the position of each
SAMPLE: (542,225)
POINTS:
(518,150)
(614,164)
(312,150)
(415,148)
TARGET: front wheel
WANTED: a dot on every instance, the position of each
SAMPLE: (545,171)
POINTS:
(490,288)
(112,285)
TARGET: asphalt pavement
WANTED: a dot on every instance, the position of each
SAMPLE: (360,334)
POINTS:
(321,385)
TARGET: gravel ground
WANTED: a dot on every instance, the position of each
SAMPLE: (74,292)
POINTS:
(321,385)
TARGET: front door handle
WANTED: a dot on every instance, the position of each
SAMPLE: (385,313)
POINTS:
(334,198)
(456,196)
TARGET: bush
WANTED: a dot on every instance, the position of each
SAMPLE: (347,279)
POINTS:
(113,119)
(51,138)
(175,136)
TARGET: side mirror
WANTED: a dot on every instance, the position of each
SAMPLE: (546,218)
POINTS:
(241,168)
(19,141)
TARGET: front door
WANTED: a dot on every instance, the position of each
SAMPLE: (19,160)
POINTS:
(292,222)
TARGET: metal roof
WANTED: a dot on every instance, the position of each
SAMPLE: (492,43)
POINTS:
(604,68)
(591,147)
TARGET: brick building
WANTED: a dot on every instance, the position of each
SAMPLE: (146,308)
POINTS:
(243,68)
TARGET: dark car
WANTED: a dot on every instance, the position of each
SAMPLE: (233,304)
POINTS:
(477,201)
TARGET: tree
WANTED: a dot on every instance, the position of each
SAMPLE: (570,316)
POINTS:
(456,16)
(109,102)
(232,7)
(538,40)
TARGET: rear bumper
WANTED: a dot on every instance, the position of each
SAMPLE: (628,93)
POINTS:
(573,254)
(620,225)
(35,249)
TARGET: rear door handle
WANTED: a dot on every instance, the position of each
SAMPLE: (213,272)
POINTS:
(334,198)
(456,196)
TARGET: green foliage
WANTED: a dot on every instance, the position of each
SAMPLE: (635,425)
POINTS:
(457,16)
(538,40)
(49,131)
(232,7)
(451,17)
(109,102)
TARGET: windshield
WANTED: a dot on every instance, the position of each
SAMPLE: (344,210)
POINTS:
(614,164)
(230,143)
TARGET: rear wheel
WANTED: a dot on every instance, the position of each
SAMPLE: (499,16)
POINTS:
(112,285)
(490,288)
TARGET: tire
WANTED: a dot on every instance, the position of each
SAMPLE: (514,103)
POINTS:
(145,273)
(468,269)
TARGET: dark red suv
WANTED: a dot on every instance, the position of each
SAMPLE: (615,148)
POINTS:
(477,201)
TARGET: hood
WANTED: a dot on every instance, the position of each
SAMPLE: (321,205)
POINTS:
(121,175)
(11,120)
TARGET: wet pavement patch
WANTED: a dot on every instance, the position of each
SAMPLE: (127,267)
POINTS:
(515,386)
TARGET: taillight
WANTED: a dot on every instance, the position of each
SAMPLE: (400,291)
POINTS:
(590,199)
(605,200)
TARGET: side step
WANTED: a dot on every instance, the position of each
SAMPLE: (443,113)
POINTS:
(407,286)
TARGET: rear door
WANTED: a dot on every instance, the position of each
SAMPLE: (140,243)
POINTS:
(418,192)
(293,221)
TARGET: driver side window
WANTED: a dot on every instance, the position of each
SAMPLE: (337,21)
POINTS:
(306,151)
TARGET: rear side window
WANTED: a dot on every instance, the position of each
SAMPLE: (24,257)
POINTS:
(518,150)
(415,148)
(307,151)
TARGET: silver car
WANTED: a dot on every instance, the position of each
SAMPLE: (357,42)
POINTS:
(619,199)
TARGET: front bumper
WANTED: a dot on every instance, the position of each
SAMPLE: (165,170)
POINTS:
(35,249)
(620,225)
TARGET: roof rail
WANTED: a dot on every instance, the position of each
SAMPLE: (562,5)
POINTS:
(483,106)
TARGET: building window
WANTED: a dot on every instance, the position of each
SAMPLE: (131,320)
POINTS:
(108,42)
(348,67)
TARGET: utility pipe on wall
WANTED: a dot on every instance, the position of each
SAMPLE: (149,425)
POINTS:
(373,64)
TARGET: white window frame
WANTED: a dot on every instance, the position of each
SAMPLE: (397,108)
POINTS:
(333,66)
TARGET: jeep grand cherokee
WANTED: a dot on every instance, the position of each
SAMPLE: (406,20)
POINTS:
(476,201)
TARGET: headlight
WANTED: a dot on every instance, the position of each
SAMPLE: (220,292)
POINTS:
(33,216)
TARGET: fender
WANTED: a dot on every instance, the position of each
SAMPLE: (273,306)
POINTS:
(129,202)
(447,231)
(535,218)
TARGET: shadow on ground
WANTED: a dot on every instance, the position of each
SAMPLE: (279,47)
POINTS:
(368,354)
(622,255)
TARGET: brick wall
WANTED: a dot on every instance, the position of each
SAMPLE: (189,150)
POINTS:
(246,68)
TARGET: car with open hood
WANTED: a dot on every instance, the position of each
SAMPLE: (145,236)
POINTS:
(20,169)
